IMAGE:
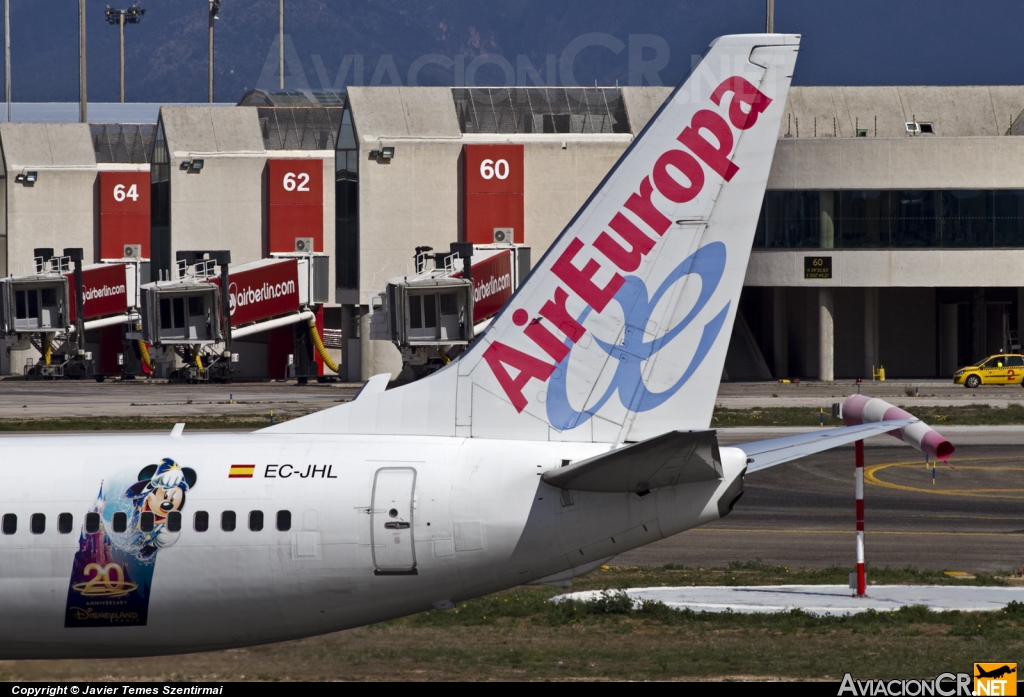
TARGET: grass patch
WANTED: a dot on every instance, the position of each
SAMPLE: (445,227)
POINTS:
(141,423)
(965,415)
(520,635)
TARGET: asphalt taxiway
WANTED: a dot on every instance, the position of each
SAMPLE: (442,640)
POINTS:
(21,399)
(801,513)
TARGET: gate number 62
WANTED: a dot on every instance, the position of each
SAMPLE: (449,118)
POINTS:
(296,182)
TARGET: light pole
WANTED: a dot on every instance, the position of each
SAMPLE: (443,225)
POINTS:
(280,45)
(7,56)
(83,110)
(214,14)
(133,15)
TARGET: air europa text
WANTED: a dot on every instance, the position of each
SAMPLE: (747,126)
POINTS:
(746,103)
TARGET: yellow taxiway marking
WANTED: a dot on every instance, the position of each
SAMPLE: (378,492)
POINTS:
(870,476)
(775,531)
(971,517)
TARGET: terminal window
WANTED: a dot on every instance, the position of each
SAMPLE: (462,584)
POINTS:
(541,110)
(892,219)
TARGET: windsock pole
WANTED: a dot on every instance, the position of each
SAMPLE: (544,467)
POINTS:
(861,581)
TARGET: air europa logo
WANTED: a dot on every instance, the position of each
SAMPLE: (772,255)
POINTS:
(745,105)
(249,295)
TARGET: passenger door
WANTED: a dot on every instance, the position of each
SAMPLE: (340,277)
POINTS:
(391,521)
(994,372)
(1014,369)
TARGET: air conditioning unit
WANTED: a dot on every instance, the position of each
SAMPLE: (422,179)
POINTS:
(304,244)
(133,251)
(504,235)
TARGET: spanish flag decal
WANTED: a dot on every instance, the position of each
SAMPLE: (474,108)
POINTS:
(241,471)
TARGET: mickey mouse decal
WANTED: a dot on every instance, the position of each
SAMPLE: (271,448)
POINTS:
(161,491)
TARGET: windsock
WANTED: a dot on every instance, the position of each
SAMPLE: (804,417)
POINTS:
(859,409)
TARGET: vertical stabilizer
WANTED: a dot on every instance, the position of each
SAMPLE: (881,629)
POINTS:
(621,330)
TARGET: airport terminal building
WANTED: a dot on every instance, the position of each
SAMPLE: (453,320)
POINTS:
(892,232)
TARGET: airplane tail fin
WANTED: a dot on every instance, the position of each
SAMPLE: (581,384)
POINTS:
(620,331)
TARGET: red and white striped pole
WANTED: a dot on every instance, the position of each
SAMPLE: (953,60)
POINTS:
(861,581)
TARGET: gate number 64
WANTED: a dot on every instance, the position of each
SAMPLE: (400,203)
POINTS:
(121,193)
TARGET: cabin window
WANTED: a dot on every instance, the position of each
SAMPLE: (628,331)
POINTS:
(146,521)
(120,521)
(92,522)
(174,521)
(10,524)
(256,520)
(201,521)
(284,521)
(65,521)
(37,523)
(227,521)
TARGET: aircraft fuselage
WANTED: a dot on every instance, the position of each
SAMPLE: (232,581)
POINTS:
(376,528)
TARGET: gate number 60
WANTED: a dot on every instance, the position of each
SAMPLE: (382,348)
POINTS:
(490,169)
(296,182)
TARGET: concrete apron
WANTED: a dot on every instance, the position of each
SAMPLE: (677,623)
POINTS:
(815,600)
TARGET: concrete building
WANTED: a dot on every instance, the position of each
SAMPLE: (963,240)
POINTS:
(910,199)
(913,199)
(892,232)
(50,196)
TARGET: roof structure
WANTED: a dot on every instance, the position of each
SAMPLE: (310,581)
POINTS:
(883,112)
(299,128)
(128,143)
(46,145)
(225,130)
(404,112)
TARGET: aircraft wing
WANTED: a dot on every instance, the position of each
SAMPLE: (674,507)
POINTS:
(775,451)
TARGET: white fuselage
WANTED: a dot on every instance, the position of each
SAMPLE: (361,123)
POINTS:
(380,527)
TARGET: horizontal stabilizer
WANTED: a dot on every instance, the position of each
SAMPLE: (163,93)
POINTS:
(775,451)
(677,457)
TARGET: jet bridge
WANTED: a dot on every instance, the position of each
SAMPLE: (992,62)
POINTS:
(191,325)
(434,314)
(52,309)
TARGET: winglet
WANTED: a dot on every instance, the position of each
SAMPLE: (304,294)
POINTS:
(375,385)
(177,430)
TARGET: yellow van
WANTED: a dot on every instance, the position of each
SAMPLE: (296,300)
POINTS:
(1001,369)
